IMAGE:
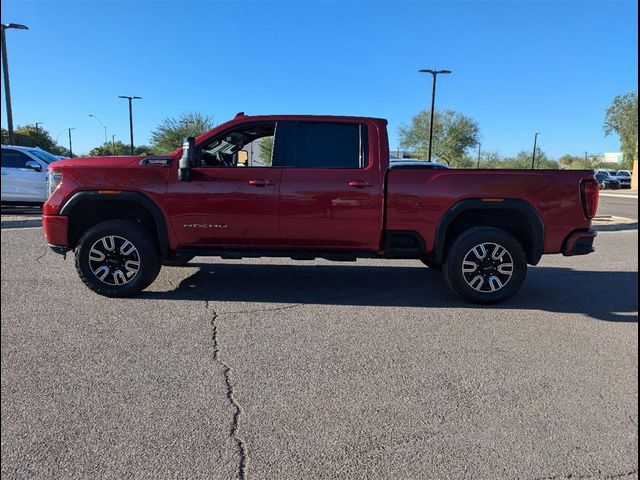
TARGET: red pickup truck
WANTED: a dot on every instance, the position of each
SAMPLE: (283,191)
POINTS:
(311,187)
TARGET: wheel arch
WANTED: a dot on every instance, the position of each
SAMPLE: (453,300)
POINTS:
(82,213)
(518,217)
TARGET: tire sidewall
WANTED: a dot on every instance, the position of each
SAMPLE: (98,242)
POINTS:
(465,242)
(140,237)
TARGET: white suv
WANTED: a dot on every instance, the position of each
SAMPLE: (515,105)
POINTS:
(24,174)
(625,181)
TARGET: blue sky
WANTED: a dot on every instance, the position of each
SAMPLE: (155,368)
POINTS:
(518,67)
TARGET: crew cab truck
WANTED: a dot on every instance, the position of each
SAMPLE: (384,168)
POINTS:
(311,187)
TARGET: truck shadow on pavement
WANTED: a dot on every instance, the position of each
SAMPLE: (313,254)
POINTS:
(609,296)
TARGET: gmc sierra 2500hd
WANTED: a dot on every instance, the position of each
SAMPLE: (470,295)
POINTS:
(307,187)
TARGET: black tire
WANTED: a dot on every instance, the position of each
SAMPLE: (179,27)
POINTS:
(177,261)
(117,232)
(491,281)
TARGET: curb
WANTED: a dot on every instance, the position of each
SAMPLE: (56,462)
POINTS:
(619,195)
(607,223)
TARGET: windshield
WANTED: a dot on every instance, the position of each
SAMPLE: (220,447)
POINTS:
(44,156)
(624,174)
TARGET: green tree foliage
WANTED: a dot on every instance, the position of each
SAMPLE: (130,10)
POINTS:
(172,131)
(29,136)
(571,162)
(522,161)
(622,118)
(118,148)
(266,150)
(453,135)
(490,160)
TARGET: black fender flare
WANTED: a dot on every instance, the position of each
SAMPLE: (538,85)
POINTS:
(137,197)
(521,206)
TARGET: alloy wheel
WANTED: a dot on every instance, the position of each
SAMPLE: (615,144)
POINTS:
(114,260)
(487,267)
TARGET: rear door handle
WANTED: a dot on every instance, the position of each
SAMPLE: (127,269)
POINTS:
(359,184)
(260,182)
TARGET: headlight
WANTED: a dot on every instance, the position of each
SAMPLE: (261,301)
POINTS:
(54,179)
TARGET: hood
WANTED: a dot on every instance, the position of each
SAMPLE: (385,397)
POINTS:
(88,162)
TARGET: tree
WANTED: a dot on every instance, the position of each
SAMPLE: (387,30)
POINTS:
(491,160)
(30,136)
(453,135)
(171,132)
(118,148)
(266,150)
(571,161)
(622,118)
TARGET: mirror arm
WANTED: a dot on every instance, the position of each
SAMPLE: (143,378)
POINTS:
(186,161)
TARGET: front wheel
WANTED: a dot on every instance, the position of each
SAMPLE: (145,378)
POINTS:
(117,258)
(485,265)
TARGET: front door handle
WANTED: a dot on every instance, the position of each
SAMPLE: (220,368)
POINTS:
(359,184)
(260,182)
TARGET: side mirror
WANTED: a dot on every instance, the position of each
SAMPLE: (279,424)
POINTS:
(243,158)
(187,159)
(33,165)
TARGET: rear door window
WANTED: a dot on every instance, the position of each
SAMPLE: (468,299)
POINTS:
(322,145)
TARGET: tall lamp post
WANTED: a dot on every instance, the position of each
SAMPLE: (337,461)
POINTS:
(533,159)
(479,146)
(434,73)
(37,128)
(70,146)
(113,144)
(106,141)
(5,70)
(130,116)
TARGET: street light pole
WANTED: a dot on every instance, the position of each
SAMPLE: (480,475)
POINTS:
(130,116)
(70,146)
(106,141)
(479,145)
(5,70)
(37,129)
(535,141)
(434,73)
(113,144)
(585,160)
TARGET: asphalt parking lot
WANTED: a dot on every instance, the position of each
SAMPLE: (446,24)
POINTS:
(269,369)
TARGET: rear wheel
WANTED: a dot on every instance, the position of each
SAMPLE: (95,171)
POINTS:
(117,258)
(485,265)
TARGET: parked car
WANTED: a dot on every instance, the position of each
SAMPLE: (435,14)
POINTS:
(606,181)
(328,191)
(24,175)
(625,176)
(625,182)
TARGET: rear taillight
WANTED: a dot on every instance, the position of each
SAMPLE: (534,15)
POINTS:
(589,194)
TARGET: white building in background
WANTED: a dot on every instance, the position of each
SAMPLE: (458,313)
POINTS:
(613,157)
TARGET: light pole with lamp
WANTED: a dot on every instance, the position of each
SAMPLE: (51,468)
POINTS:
(70,147)
(5,70)
(535,142)
(130,116)
(434,73)
(106,141)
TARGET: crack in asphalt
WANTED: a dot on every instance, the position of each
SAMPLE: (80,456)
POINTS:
(42,256)
(231,396)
